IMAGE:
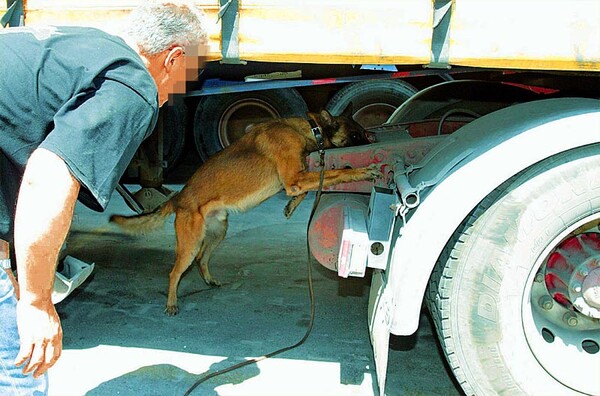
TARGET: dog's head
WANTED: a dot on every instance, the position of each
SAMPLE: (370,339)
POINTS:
(342,130)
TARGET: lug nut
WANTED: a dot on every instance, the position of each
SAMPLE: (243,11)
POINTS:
(546,302)
(539,277)
(571,319)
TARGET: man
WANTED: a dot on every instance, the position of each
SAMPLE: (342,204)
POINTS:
(75,104)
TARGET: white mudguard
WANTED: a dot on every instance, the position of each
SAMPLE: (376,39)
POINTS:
(472,163)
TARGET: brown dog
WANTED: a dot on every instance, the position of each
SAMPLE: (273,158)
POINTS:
(271,156)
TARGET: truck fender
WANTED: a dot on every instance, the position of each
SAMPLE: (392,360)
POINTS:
(487,152)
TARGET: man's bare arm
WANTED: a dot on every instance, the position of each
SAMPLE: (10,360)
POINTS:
(44,211)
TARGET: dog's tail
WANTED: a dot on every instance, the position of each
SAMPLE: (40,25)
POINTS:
(143,223)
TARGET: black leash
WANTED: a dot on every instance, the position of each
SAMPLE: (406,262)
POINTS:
(311,293)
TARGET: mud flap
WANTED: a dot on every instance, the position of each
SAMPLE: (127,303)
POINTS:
(379,326)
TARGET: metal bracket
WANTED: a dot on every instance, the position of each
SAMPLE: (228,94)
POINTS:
(147,199)
(150,166)
(410,195)
(440,40)
(14,14)
(229,15)
(401,211)
(130,199)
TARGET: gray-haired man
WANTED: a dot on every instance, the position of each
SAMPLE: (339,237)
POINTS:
(75,104)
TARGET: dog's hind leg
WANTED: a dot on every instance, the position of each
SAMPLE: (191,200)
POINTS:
(216,229)
(189,230)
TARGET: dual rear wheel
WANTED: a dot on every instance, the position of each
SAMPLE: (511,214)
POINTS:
(222,119)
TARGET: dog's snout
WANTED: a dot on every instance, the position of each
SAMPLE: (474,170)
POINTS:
(361,139)
(371,137)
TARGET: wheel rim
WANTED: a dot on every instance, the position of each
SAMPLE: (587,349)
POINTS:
(561,326)
(373,114)
(238,118)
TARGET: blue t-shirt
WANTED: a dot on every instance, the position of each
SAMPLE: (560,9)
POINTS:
(79,92)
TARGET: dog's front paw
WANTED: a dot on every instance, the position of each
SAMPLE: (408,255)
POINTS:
(171,310)
(372,172)
(292,205)
(289,210)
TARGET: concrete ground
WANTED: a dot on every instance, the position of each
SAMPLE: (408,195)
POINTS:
(118,341)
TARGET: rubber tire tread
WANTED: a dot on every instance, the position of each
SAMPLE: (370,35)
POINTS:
(437,295)
(360,94)
(286,102)
(174,132)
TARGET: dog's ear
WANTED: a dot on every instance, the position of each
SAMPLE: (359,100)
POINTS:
(327,119)
(348,111)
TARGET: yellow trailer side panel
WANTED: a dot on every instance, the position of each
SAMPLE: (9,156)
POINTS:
(348,31)
(526,34)
(519,34)
(108,15)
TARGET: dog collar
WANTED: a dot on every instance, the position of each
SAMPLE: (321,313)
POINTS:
(316,131)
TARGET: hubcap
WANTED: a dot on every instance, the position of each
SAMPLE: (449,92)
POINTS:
(373,115)
(560,312)
(573,273)
(591,291)
(239,118)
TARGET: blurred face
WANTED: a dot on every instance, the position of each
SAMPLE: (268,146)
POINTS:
(177,66)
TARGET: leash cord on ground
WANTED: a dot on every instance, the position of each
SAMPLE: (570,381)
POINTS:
(310,292)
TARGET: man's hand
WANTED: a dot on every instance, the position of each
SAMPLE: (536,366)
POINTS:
(41,337)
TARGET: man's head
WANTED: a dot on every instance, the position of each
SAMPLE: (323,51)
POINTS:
(170,36)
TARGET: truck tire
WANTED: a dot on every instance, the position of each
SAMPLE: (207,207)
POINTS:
(373,102)
(504,326)
(222,119)
(174,122)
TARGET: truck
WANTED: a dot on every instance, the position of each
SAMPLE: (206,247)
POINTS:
(485,121)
